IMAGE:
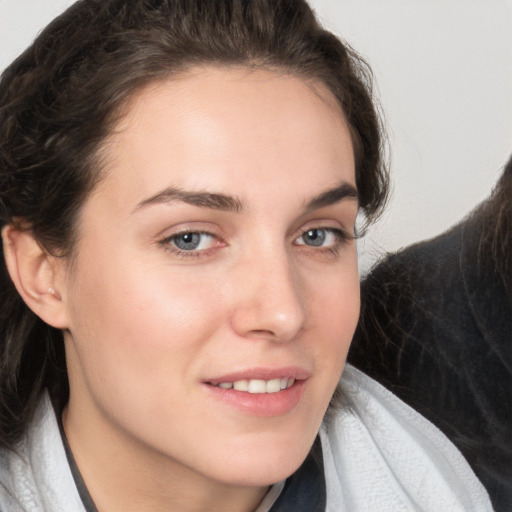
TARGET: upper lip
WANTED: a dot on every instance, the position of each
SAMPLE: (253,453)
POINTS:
(289,372)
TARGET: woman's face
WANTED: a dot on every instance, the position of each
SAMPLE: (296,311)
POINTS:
(214,290)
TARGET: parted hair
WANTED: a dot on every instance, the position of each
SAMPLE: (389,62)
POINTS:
(62,97)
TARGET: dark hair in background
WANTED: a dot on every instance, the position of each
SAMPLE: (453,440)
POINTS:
(60,99)
(436,329)
(496,241)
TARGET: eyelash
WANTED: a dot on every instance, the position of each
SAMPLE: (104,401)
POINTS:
(342,237)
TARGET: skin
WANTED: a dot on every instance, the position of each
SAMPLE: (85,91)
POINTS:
(146,325)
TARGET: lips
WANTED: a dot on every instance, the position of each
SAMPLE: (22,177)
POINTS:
(261,391)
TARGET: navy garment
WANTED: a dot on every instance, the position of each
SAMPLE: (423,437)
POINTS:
(436,329)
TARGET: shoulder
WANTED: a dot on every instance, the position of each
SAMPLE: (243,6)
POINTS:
(379,454)
(36,477)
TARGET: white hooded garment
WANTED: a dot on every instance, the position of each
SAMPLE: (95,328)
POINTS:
(379,455)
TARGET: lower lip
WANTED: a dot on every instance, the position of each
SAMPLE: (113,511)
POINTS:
(261,404)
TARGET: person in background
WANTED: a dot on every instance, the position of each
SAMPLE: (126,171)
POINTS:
(436,329)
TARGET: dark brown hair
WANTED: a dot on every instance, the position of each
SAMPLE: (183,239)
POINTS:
(60,99)
(496,241)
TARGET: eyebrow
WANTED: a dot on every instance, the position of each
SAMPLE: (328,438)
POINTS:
(223,202)
(209,200)
(332,196)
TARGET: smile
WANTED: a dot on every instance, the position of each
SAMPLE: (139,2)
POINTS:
(259,386)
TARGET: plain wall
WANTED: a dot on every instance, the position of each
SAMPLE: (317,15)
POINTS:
(443,69)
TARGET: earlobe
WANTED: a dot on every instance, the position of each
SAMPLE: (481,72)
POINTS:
(35,274)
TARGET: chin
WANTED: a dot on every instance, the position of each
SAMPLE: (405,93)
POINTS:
(265,464)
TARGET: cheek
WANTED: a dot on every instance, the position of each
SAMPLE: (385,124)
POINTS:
(335,298)
(140,325)
(334,313)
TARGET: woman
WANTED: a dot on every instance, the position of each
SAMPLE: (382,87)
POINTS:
(180,185)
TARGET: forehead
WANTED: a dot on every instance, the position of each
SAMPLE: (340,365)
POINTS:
(218,129)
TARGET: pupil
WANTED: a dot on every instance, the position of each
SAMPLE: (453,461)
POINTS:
(187,241)
(315,237)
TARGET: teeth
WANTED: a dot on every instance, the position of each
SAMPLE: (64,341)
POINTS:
(273,386)
(241,385)
(258,385)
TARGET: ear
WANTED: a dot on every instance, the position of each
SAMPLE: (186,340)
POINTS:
(36,274)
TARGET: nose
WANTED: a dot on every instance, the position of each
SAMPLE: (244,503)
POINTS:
(269,302)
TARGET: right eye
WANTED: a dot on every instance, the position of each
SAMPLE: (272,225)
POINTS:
(192,241)
(320,237)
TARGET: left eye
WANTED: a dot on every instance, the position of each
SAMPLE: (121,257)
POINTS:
(192,241)
(317,238)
